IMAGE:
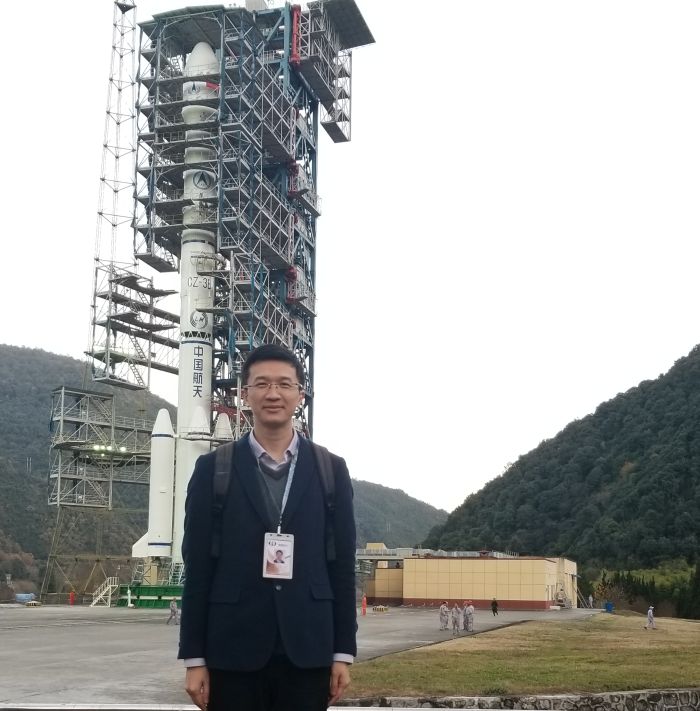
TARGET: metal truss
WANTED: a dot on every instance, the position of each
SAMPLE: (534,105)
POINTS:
(336,118)
(72,569)
(300,186)
(300,290)
(116,172)
(125,334)
(93,449)
(276,109)
(162,141)
(96,457)
(258,316)
(327,66)
(130,332)
(304,230)
(254,217)
(281,70)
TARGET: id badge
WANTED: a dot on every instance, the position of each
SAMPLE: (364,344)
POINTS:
(278,556)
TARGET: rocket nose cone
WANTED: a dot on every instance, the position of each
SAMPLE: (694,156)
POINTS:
(223,430)
(202,60)
(200,422)
(163,424)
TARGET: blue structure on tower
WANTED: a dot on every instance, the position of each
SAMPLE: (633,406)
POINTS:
(230,149)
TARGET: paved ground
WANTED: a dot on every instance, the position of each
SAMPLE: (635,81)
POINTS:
(79,655)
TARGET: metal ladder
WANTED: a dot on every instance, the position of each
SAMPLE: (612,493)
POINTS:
(177,574)
(582,601)
(103,594)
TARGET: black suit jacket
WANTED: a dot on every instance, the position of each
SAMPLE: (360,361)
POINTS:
(231,615)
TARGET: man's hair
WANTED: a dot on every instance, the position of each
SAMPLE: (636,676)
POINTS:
(270,351)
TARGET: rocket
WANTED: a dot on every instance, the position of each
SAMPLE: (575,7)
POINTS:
(197,254)
(157,541)
(196,292)
(222,430)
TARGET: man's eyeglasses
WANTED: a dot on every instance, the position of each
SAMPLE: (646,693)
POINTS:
(284,387)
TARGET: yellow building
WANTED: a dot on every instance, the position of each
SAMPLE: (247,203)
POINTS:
(517,582)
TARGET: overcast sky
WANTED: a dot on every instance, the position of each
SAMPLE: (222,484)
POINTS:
(509,239)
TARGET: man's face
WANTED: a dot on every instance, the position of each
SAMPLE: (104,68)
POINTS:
(273,406)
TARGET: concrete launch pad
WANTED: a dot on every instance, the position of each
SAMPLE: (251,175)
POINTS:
(82,655)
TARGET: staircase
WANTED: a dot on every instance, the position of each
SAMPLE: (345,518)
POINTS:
(103,594)
(582,601)
(138,572)
(177,574)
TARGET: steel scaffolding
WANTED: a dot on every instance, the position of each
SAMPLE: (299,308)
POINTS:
(97,458)
(131,332)
(281,73)
(92,449)
(230,151)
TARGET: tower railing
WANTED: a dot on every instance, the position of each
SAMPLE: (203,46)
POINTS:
(92,448)
(131,332)
(103,594)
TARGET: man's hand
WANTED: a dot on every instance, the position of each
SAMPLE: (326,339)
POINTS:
(340,680)
(197,686)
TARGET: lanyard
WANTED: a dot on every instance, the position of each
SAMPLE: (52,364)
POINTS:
(288,486)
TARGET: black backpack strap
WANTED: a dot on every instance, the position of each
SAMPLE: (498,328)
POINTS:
(324,464)
(223,460)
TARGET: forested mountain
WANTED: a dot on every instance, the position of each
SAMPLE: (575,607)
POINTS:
(392,517)
(27,378)
(619,488)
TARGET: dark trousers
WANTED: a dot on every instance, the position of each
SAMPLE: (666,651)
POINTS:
(279,686)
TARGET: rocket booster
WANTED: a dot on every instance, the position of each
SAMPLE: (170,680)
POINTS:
(191,445)
(222,429)
(157,541)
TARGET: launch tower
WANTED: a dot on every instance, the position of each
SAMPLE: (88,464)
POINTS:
(230,104)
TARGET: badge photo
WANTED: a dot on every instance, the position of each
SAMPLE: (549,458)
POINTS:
(278,556)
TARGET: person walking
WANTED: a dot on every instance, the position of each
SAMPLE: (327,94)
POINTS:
(253,639)
(173,612)
(494,606)
(444,615)
(651,623)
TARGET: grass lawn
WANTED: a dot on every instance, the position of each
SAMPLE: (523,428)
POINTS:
(603,653)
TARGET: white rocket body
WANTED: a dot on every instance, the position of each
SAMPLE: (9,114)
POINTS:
(189,449)
(173,457)
(196,291)
(222,429)
(157,541)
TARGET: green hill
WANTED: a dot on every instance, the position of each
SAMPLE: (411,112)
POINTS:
(619,488)
(27,378)
(391,517)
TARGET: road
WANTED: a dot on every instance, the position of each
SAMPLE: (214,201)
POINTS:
(82,655)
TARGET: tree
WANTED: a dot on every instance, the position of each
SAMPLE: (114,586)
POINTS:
(689,599)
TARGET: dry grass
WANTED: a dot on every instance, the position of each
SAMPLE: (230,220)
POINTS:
(603,653)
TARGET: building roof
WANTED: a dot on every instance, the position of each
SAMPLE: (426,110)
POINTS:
(347,20)
(198,24)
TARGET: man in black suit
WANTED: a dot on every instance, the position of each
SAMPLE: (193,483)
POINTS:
(255,639)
